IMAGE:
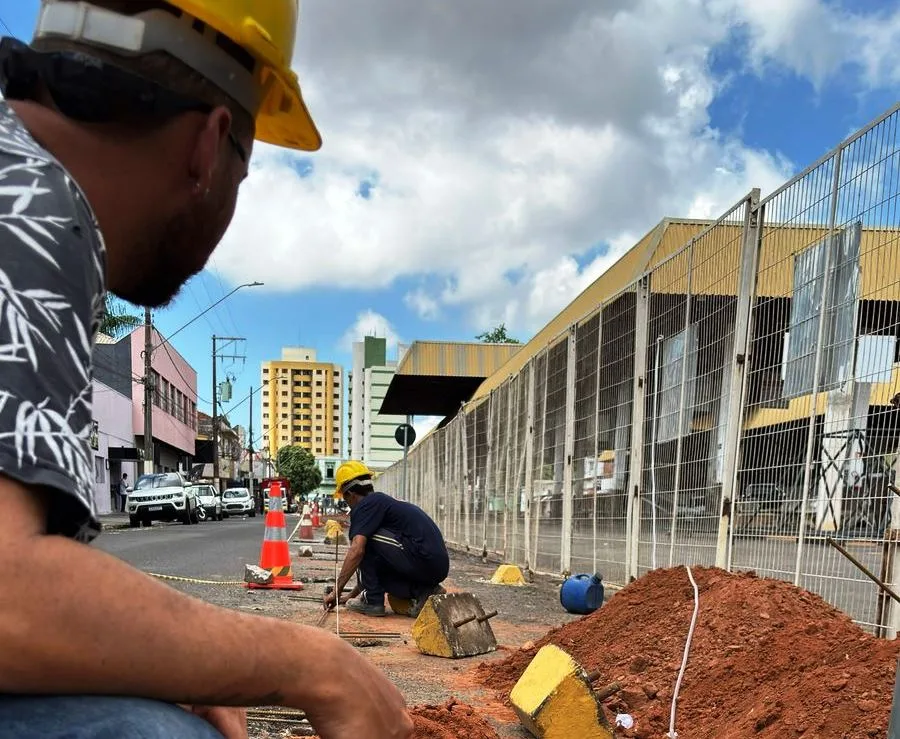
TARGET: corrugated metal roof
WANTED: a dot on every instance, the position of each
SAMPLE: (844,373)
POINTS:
(104,339)
(714,271)
(455,359)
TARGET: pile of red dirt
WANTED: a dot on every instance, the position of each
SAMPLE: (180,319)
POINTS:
(451,720)
(767,660)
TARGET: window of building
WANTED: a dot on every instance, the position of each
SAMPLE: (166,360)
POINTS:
(265,415)
(284,438)
(99,470)
(265,393)
(284,415)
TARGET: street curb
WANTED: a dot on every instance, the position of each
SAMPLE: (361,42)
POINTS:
(114,526)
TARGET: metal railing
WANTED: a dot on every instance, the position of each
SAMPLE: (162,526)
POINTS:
(735,406)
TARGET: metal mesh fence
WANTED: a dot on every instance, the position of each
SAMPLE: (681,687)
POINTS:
(737,405)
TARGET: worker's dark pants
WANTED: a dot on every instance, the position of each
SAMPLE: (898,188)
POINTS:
(389,567)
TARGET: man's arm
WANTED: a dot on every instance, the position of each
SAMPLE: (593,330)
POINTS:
(99,627)
(352,560)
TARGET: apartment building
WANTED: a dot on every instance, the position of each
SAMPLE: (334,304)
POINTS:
(371,438)
(301,403)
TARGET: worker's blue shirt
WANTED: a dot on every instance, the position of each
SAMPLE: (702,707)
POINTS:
(412,526)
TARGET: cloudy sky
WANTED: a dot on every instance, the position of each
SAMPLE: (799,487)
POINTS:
(485,161)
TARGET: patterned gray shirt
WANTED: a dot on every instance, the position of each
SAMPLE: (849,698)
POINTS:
(52,288)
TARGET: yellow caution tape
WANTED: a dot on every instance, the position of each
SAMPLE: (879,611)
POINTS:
(195,580)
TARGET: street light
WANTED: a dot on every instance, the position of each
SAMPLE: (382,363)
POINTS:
(203,313)
(148,370)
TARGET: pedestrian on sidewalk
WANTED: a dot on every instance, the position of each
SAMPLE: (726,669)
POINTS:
(123,492)
(395,547)
(126,128)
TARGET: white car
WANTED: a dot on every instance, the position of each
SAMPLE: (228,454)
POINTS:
(238,502)
(210,503)
(162,497)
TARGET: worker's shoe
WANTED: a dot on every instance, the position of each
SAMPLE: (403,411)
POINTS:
(361,605)
(418,603)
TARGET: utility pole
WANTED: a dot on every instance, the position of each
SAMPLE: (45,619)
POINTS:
(215,398)
(148,392)
(250,448)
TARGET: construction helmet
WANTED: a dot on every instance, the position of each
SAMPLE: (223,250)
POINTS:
(347,473)
(244,47)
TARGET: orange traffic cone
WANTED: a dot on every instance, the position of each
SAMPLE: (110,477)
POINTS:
(275,555)
(306,524)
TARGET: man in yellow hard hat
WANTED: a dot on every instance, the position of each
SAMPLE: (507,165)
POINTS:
(395,548)
(125,131)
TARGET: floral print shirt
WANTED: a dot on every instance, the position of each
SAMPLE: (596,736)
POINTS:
(52,288)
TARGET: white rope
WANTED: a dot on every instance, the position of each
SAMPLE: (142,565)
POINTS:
(337,593)
(687,648)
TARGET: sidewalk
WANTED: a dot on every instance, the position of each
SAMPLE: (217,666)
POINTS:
(113,521)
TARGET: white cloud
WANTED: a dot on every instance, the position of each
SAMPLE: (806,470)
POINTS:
(423,303)
(370,323)
(504,143)
(817,39)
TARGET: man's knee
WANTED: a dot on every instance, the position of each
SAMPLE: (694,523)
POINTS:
(78,717)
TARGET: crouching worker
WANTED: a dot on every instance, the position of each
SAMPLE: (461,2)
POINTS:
(394,546)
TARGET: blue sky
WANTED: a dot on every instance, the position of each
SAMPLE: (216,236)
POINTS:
(491,179)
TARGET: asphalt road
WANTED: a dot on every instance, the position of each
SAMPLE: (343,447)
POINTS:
(212,549)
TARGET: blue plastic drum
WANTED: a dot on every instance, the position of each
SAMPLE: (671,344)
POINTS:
(582,594)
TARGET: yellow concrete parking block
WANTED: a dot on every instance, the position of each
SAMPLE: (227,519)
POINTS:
(508,575)
(554,699)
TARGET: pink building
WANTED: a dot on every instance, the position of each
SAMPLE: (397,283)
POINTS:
(120,365)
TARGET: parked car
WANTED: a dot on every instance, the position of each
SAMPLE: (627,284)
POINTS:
(238,502)
(210,502)
(162,497)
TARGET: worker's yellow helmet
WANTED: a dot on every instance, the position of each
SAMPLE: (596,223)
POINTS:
(347,473)
(244,47)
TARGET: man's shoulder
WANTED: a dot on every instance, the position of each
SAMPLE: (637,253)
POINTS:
(15,139)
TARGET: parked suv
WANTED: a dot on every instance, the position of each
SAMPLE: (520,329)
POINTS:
(238,502)
(162,497)
(210,502)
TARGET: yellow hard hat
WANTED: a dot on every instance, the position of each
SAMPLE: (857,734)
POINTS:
(244,47)
(348,472)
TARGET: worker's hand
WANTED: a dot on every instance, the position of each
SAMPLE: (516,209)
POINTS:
(328,601)
(231,723)
(378,710)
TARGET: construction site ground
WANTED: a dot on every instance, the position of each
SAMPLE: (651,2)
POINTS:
(767,659)
(525,613)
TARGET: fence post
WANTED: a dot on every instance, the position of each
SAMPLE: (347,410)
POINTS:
(638,412)
(737,373)
(490,479)
(596,463)
(569,451)
(817,370)
(529,464)
(508,457)
(467,518)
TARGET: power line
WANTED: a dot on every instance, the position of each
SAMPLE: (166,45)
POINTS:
(8,29)
(183,379)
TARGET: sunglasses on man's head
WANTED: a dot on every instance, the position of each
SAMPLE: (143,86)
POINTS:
(90,90)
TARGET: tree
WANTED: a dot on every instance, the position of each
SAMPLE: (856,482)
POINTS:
(117,321)
(299,466)
(497,335)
